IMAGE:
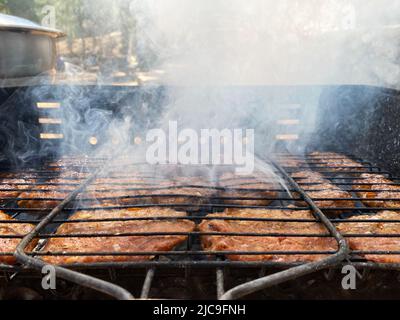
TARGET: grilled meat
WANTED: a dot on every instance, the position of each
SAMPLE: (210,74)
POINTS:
(266,243)
(259,194)
(308,177)
(163,193)
(335,162)
(324,155)
(132,244)
(13,187)
(7,196)
(9,245)
(319,188)
(105,193)
(29,188)
(18,181)
(75,162)
(368,181)
(180,195)
(391,199)
(255,186)
(193,181)
(332,196)
(182,190)
(16,175)
(41,199)
(68,186)
(290,162)
(229,178)
(376,186)
(130,181)
(383,244)
(102,184)
(110,198)
(176,172)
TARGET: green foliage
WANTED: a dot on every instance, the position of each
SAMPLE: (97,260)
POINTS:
(84,19)
(67,12)
(3,6)
(77,18)
(21,8)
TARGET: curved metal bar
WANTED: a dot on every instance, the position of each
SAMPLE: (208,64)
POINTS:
(299,271)
(66,274)
(147,283)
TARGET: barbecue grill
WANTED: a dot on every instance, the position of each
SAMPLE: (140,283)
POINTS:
(204,274)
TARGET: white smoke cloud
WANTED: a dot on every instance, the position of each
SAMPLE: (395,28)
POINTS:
(233,42)
(218,52)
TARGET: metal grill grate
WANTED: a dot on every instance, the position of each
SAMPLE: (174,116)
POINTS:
(191,255)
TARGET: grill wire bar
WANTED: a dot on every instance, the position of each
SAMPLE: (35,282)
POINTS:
(185,257)
(147,284)
(220,283)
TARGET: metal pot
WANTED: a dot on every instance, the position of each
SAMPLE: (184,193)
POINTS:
(26,48)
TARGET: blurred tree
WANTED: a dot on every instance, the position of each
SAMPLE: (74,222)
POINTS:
(128,28)
(100,32)
(21,8)
(3,6)
(67,13)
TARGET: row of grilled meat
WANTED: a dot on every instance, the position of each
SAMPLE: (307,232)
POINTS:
(248,234)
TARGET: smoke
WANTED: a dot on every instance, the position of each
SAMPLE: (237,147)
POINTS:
(233,64)
(266,42)
(214,54)
(245,64)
